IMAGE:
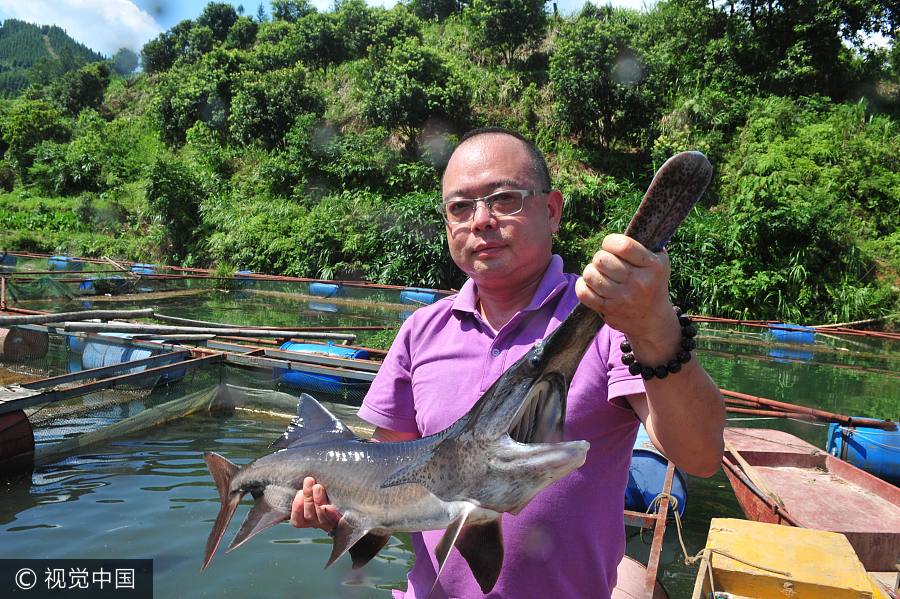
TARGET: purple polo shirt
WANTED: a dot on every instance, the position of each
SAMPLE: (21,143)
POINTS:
(568,541)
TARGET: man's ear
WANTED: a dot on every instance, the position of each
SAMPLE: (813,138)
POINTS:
(555,208)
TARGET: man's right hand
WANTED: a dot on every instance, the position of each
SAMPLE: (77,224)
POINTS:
(310,508)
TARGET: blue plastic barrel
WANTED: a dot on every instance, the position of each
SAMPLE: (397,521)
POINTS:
(312,381)
(796,334)
(871,449)
(144,269)
(417,296)
(7,259)
(99,285)
(647,474)
(75,344)
(327,290)
(64,263)
(97,353)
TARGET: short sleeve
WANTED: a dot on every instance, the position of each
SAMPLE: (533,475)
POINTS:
(620,382)
(389,401)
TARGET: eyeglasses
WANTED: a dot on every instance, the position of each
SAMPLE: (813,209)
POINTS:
(456,211)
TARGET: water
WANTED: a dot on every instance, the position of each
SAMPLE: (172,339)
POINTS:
(151,496)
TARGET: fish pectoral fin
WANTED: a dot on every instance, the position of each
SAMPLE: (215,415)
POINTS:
(482,546)
(442,550)
(261,516)
(366,548)
(346,536)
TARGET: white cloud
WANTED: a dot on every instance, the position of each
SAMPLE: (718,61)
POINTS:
(102,25)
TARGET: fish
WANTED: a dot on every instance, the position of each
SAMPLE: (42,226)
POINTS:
(500,454)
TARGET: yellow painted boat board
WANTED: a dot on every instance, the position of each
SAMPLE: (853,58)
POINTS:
(769,561)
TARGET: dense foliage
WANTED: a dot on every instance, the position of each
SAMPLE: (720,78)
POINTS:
(311,143)
(32,53)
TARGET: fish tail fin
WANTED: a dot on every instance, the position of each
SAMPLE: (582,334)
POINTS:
(222,472)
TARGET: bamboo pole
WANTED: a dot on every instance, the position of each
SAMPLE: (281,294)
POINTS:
(69,316)
(887,425)
(160,329)
(753,475)
(206,323)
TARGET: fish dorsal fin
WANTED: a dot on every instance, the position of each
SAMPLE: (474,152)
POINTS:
(482,546)
(312,425)
(346,535)
(366,548)
(261,517)
(442,550)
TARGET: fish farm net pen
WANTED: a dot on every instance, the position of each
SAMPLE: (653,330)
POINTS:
(61,394)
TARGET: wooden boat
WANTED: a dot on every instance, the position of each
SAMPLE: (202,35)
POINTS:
(632,580)
(745,559)
(781,479)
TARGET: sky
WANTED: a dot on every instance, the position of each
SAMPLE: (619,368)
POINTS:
(107,25)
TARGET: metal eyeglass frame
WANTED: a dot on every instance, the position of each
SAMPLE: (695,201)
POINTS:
(489,203)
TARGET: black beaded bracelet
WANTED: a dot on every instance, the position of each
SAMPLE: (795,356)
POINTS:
(688,332)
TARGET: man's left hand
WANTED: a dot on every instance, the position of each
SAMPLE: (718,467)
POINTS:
(629,286)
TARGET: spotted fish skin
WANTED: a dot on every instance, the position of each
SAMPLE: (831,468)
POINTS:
(494,459)
(677,186)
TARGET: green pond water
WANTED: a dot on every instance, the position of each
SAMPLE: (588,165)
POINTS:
(150,495)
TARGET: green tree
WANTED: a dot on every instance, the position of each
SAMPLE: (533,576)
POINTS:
(504,26)
(265,105)
(219,17)
(27,124)
(199,92)
(124,61)
(174,195)
(412,85)
(242,34)
(291,10)
(599,79)
(83,88)
(435,9)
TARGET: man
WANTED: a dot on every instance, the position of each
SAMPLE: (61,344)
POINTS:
(568,541)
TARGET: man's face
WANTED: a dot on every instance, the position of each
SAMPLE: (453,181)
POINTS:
(505,251)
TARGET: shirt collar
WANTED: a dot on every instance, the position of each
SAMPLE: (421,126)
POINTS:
(551,283)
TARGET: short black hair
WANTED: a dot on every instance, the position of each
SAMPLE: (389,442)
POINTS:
(538,163)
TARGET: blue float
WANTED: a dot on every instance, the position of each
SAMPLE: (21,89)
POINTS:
(796,334)
(99,285)
(418,296)
(871,449)
(312,381)
(647,474)
(7,259)
(327,290)
(144,269)
(64,263)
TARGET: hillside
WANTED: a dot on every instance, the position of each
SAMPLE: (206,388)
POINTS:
(37,52)
(312,143)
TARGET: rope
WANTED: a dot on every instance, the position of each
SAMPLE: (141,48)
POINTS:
(691,560)
(851,432)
